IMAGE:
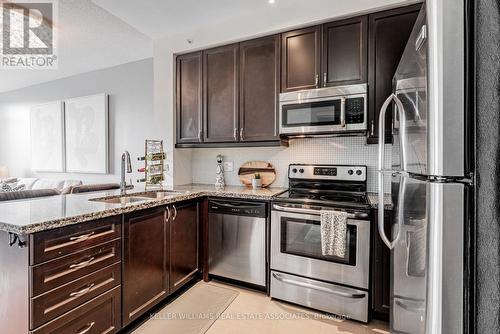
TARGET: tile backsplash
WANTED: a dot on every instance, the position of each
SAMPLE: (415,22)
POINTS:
(336,150)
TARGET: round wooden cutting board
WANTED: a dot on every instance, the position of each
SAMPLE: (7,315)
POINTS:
(265,169)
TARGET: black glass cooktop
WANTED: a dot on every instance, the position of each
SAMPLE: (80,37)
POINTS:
(331,198)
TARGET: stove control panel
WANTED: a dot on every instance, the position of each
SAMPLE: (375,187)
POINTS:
(327,172)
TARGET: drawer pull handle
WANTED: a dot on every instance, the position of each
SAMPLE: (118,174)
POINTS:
(82,264)
(82,237)
(82,291)
(86,329)
(319,288)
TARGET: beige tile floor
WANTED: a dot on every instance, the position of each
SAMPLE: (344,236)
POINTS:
(244,316)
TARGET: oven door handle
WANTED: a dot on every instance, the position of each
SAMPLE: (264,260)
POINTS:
(356,215)
(319,288)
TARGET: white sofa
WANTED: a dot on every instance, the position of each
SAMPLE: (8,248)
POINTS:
(63,186)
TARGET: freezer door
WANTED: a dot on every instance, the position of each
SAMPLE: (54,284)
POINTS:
(410,82)
(427,256)
(409,255)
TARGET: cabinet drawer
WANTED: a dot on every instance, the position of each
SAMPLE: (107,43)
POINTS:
(56,302)
(51,244)
(60,271)
(100,315)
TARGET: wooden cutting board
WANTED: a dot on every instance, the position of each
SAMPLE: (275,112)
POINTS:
(265,169)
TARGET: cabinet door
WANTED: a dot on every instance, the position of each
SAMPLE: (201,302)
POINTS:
(300,63)
(189,98)
(259,89)
(220,80)
(183,244)
(388,33)
(345,52)
(145,273)
(381,276)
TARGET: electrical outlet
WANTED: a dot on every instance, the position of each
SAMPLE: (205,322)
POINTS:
(228,166)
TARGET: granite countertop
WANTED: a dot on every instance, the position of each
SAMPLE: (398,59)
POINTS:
(373,200)
(45,213)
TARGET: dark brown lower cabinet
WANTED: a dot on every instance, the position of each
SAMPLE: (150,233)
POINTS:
(145,255)
(183,244)
(100,315)
(381,274)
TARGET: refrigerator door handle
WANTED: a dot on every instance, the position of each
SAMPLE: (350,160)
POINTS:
(381,131)
(381,160)
(381,216)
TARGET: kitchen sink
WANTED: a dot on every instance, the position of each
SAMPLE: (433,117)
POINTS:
(139,197)
(159,194)
(121,199)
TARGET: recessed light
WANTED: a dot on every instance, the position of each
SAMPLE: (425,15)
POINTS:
(272,1)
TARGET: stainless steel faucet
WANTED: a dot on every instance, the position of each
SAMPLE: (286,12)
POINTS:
(123,183)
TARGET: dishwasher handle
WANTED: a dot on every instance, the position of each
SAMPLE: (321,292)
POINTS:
(240,208)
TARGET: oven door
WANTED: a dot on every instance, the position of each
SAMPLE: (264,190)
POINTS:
(296,247)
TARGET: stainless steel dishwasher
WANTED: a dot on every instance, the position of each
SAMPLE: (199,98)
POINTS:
(237,240)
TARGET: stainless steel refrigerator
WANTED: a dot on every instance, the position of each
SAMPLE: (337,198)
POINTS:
(429,176)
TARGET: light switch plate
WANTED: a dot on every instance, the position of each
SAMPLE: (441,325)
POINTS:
(228,166)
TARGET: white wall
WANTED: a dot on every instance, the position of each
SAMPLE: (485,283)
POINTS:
(130,89)
(188,163)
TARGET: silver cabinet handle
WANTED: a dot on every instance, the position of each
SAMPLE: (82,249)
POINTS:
(166,214)
(241,134)
(356,215)
(235,134)
(342,111)
(316,80)
(199,135)
(86,329)
(83,237)
(319,288)
(175,213)
(372,128)
(82,291)
(325,77)
(82,264)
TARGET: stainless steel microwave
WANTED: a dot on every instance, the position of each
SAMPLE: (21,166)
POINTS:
(324,111)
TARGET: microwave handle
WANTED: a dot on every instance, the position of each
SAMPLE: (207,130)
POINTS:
(342,111)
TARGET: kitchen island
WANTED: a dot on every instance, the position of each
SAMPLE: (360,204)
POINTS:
(86,263)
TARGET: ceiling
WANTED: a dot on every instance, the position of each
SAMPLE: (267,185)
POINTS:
(89,38)
(96,34)
(157,18)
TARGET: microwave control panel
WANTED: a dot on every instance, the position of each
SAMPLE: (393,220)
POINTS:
(354,110)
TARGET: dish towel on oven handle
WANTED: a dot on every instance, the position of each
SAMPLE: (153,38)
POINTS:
(333,232)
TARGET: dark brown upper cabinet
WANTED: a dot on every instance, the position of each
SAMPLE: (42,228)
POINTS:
(183,244)
(189,98)
(388,33)
(220,98)
(145,259)
(300,60)
(345,53)
(259,89)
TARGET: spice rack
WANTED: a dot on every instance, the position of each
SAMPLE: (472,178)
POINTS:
(154,167)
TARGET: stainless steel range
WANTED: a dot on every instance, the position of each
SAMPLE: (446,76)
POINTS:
(299,272)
